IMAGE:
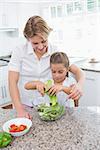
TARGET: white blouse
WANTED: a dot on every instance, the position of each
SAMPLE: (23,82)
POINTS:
(25,62)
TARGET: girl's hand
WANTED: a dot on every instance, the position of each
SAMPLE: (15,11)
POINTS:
(24,113)
(40,86)
(55,89)
(76,92)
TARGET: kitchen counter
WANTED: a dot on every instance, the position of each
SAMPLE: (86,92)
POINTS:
(78,129)
(3,63)
(89,66)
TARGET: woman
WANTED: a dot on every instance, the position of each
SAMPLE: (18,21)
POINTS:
(31,62)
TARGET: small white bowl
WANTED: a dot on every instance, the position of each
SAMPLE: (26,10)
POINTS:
(17,121)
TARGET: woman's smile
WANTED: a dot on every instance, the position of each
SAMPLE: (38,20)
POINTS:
(39,44)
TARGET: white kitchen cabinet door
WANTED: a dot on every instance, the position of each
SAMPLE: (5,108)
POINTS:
(4,93)
(26,10)
(8,15)
(91,95)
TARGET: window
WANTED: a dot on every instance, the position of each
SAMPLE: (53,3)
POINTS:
(56,11)
(60,11)
(98,4)
(69,8)
(78,6)
(53,12)
(75,29)
(91,5)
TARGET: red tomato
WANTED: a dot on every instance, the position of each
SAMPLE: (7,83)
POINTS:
(13,126)
(16,128)
(22,127)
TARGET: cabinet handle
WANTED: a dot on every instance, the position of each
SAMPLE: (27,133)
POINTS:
(3,92)
(88,78)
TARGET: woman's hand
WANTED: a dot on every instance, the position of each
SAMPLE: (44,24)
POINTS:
(24,113)
(76,91)
(55,89)
(40,86)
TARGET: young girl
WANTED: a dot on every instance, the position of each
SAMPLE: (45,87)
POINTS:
(61,81)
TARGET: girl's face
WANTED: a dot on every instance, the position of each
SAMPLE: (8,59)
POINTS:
(39,44)
(59,72)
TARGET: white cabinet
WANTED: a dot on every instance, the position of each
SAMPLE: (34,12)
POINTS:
(26,10)
(91,95)
(4,94)
(8,14)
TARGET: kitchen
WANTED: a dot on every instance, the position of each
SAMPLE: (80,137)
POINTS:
(82,36)
(76,22)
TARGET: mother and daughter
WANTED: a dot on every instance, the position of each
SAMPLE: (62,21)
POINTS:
(37,61)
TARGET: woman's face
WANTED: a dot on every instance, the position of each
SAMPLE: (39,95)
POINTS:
(39,44)
(59,72)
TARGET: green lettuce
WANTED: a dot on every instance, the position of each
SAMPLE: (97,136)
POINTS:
(53,98)
(54,110)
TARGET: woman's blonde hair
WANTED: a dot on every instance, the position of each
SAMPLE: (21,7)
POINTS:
(36,26)
(60,58)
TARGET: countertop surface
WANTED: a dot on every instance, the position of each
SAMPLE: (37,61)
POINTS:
(78,129)
(89,66)
(82,62)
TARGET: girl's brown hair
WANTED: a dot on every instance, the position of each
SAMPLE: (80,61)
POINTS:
(36,26)
(60,58)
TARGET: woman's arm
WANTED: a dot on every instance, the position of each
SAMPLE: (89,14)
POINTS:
(77,89)
(13,78)
(78,73)
(67,90)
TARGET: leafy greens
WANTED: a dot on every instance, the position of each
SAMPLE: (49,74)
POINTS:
(52,112)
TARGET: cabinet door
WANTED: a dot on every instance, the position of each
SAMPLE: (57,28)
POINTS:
(9,14)
(4,93)
(91,90)
(1,14)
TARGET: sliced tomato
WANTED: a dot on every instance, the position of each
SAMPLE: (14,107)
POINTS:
(15,128)
(22,127)
(11,130)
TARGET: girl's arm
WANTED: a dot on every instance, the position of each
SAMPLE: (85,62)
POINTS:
(57,88)
(33,85)
(77,89)
(30,85)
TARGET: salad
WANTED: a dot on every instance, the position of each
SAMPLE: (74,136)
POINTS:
(54,110)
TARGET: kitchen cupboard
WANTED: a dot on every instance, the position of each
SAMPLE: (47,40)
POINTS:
(8,15)
(91,95)
(4,94)
(26,10)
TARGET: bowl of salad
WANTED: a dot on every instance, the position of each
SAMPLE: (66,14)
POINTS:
(51,113)
(53,110)
(17,126)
